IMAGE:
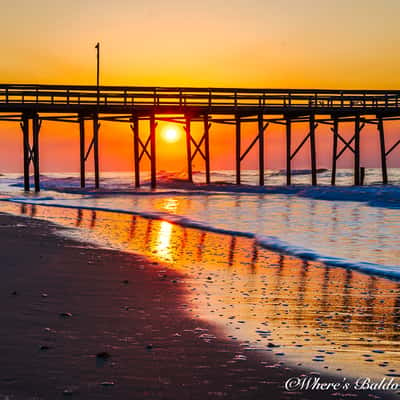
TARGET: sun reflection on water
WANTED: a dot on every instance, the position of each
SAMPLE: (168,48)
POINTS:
(162,245)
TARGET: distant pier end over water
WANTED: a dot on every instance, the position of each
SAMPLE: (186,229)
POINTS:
(30,105)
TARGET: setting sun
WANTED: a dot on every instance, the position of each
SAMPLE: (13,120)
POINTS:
(171,135)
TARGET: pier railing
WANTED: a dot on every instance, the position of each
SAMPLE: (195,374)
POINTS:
(17,94)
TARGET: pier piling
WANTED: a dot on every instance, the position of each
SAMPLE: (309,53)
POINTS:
(382,150)
(96,127)
(313,151)
(188,147)
(261,170)
(36,125)
(136,161)
(288,151)
(207,127)
(357,150)
(238,148)
(153,126)
(26,150)
(335,131)
(82,150)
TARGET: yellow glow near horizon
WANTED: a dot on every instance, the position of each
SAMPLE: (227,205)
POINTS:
(171,135)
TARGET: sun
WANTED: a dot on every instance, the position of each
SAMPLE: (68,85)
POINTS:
(171,135)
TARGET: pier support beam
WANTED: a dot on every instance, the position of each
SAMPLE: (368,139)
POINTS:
(153,126)
(290,156)
(261,149)
(313,151)
(261,128)
(27,151)
(288,151)
(96,127)
(357,150)
(207,127)
(382,150)
(31,152)
(189,147)
(82,150)
(144,148)
(201,147)
(237,148)
(136,161)
(347,145)
(335,130)
(93,146)
(36,125)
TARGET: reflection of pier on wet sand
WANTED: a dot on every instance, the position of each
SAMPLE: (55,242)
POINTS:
(320,317)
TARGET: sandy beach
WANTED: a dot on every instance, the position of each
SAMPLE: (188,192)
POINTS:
(64,303)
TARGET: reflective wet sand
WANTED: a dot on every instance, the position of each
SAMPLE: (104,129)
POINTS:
(330,319)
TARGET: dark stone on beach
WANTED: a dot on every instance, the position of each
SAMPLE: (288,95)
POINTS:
(68,392)
(107,383)
(103,355)
(272,345)
(65,315)
(149,346)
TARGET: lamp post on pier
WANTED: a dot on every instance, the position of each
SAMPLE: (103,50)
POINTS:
(97,47)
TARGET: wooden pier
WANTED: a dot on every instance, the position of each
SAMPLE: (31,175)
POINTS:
(30,105)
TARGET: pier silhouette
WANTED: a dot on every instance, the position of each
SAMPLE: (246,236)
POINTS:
(30,105)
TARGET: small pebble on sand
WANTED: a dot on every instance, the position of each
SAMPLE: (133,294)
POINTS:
(65,315)
(107,383)
(103,355)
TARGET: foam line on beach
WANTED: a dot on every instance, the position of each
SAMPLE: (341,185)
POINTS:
(266,241)
(374,196)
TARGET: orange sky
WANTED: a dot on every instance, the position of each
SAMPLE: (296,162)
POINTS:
(252,43)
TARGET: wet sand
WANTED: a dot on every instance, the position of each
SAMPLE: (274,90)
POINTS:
(62,303)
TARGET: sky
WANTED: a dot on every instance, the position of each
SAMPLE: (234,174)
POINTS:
(333,44)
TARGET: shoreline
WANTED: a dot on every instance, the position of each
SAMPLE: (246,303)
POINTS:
(121,304)
(272,243)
